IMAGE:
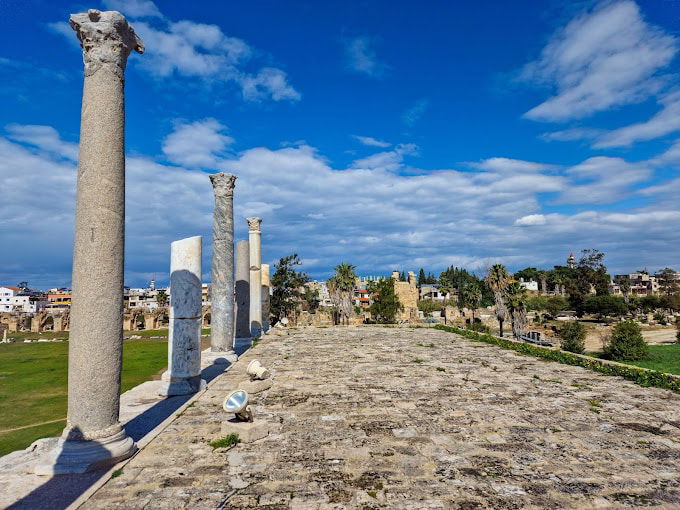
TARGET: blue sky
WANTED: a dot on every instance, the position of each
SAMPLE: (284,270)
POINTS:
(392,135)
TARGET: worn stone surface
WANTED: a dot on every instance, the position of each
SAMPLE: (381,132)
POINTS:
(222,283)
(415,418)
(255,240)
(247,431)
(242,290)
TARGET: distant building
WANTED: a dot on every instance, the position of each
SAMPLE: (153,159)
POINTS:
(432,292)
(17,299)
(641,284)
(322,289)
(528,285)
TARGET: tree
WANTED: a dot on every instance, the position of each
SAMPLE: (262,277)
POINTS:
(573,337)
(341,289)
(385,304)
(497,280)
(288,287)
(668,284)
(601,306)
(515,296)
(162,298)
(626,343)
(421,277)
(592,271)
(677,329)
(528,273)
(624,285)
(469,297)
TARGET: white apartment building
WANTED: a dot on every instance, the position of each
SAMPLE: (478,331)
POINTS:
(13,300)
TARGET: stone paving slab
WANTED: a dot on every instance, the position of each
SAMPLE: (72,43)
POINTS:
(414,418)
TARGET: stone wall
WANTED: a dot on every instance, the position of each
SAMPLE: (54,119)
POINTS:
(407,293)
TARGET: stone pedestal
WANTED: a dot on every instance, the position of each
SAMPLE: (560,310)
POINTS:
(254,235)
(93,438)
(222,287)
(184,336)
(242,289)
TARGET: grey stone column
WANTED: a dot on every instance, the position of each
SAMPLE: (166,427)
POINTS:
(264,277)
(222,287)
(254,236)
(242,289)
(93,437)
(184,336)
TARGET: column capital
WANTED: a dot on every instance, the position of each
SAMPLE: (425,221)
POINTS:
(107,39)
(254,224)
(223,184)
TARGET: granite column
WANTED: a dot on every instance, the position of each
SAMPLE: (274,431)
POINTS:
(93,437)
(242,289)
(222,286)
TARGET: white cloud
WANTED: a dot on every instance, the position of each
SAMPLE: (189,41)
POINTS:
(601,180)
(134,8)
(199,144)
(571,134)
(507,165)
(665,122)
(415,112)
(369,214)
(43,137)
(531,219)
(361,57)
(199,51)
(603,58)
(370,141)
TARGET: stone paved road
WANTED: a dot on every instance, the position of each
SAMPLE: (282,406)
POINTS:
(374,418)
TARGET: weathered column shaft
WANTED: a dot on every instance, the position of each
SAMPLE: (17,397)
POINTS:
(264,278)
(95,341)
(242,289)
(254,235)
(222,287)
(184,336)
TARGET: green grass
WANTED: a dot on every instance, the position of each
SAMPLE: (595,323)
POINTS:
(664,358)
(225,442)
(33,384)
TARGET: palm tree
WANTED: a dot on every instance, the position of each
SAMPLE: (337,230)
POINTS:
(497,279)
(341,287)
(470,295)
(516,297)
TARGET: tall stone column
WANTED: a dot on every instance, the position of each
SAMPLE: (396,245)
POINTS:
(93,437)
(242,289)
(184,336)
(222,287)
(254,236)
(264,277)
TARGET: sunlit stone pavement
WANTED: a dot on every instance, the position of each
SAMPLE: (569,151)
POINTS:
(414,418)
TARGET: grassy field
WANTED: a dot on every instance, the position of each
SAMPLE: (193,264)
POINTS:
(33,383)
(665,358)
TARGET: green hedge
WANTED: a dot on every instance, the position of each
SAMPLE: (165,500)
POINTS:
(637,375)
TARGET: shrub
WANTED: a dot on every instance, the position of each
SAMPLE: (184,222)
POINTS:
(478,327)
(677,327)
(626,343)
(225,442)
(573,337)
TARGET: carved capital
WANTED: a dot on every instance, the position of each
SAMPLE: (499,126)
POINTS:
(223,184)
(107,39)
(254,224)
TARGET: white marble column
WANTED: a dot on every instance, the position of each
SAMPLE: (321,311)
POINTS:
(184,337)
(264,278)
(254,238)
(93,437)
(222,286)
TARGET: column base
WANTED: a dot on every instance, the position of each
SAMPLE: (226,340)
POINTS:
(71,456)
(181,386)
(219,358)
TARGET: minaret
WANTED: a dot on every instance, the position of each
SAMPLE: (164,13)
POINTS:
(571,261)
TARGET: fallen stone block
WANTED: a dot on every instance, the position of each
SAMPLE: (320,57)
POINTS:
(247,431)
